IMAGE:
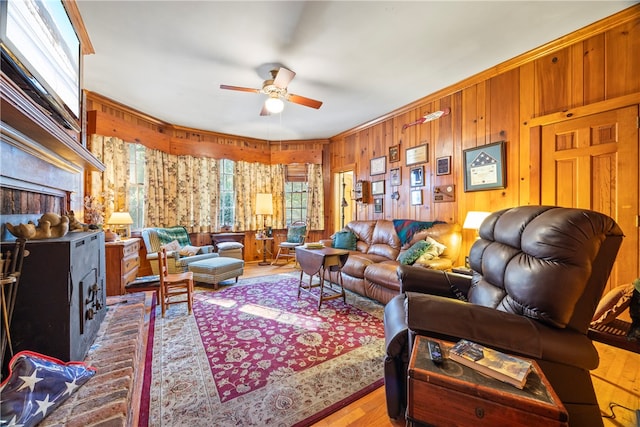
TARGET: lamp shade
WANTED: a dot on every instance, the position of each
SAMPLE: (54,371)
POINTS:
(264,204)
(474,219)
(120,218)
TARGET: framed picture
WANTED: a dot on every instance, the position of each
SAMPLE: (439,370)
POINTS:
(377,205)
(396,178)
(484,167)
(394,153)
(416,197)
(443,165)
(377,188)
(415,155)
(378,166)
(417,176)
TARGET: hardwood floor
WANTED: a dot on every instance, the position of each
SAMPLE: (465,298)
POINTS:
(616,381)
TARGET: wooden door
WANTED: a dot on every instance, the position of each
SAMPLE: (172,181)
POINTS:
(592,163)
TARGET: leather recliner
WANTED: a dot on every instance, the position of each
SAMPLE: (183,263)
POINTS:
(538,274)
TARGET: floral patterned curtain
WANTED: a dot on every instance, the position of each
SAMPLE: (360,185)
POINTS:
(182,190)
(109,190)
(315,197)
(277,189)
(249,180)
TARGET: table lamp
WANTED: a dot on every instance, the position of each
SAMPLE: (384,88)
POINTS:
(473,221)
(122,222)
(264,207)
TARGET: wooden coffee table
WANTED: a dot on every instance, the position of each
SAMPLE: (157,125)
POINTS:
(452,394)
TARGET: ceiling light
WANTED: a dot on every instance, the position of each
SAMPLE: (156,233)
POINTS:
(274,105)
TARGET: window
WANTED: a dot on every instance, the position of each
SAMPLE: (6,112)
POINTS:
(227,193)
(295,201)
(136,185)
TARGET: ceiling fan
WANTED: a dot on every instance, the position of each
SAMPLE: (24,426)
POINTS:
(276,89)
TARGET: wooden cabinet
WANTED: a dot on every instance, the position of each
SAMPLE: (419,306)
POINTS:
(122,264)
(200,239)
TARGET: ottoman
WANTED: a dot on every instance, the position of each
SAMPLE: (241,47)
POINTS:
(215,270)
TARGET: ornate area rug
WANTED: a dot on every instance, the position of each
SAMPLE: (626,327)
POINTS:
(256,354)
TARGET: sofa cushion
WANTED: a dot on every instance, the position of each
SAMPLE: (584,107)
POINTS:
(612,304)
(172,246)
(356,264)
(344,240)
(384,274)
(189,250)
(384,241)
(409,256)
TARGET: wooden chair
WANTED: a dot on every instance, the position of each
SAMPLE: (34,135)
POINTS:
(173,284)
(296,236)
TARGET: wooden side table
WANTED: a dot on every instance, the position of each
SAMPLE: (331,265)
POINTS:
(122,264)
(317,261)
(437,395)
(265,249)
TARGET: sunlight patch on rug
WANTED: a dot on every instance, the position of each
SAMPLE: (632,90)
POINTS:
(270,333)
(253,354)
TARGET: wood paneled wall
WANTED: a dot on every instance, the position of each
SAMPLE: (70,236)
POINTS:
(597,67)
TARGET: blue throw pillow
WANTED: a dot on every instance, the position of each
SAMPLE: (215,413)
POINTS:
(410,256)
(344,240)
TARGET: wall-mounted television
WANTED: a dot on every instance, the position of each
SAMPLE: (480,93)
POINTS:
(41,49)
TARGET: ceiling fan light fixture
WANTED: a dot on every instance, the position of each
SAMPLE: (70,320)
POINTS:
(274,105)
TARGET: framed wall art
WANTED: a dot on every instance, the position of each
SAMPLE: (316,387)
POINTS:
(377,205)
(443,165)
(378,166)
(484,167)
(416,197)
(377,188)
(396,176)
(394,153)
(417,176)
(415,155)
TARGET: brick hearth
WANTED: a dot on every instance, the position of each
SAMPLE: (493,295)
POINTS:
(112,396)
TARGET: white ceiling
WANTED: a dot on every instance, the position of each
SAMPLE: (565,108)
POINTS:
(363,59)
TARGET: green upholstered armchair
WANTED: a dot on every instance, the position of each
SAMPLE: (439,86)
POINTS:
(156,237)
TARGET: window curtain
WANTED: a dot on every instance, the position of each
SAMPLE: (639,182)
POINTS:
(277,189)
(315,197)
(111,187)
(182,190)
(249,180)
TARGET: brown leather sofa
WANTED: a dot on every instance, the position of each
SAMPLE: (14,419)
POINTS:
(371,270)
(539,272)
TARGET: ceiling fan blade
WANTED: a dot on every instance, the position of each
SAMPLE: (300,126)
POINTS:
(283,78)
(264,111)
(240,88)
(307,102)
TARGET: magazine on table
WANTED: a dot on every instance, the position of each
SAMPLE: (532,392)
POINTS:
(501,366)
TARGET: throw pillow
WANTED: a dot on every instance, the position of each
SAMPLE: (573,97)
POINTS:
(295,233)
(344,240)
(229,245)
(409,256)
(431,253)
(171,246)
(612,304)
(439,246)
(189,250)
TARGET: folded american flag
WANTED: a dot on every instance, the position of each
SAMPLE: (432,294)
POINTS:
(36,385)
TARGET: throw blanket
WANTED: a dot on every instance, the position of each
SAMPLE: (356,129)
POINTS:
(406,228)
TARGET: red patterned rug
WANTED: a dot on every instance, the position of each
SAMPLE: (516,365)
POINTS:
(256,354)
